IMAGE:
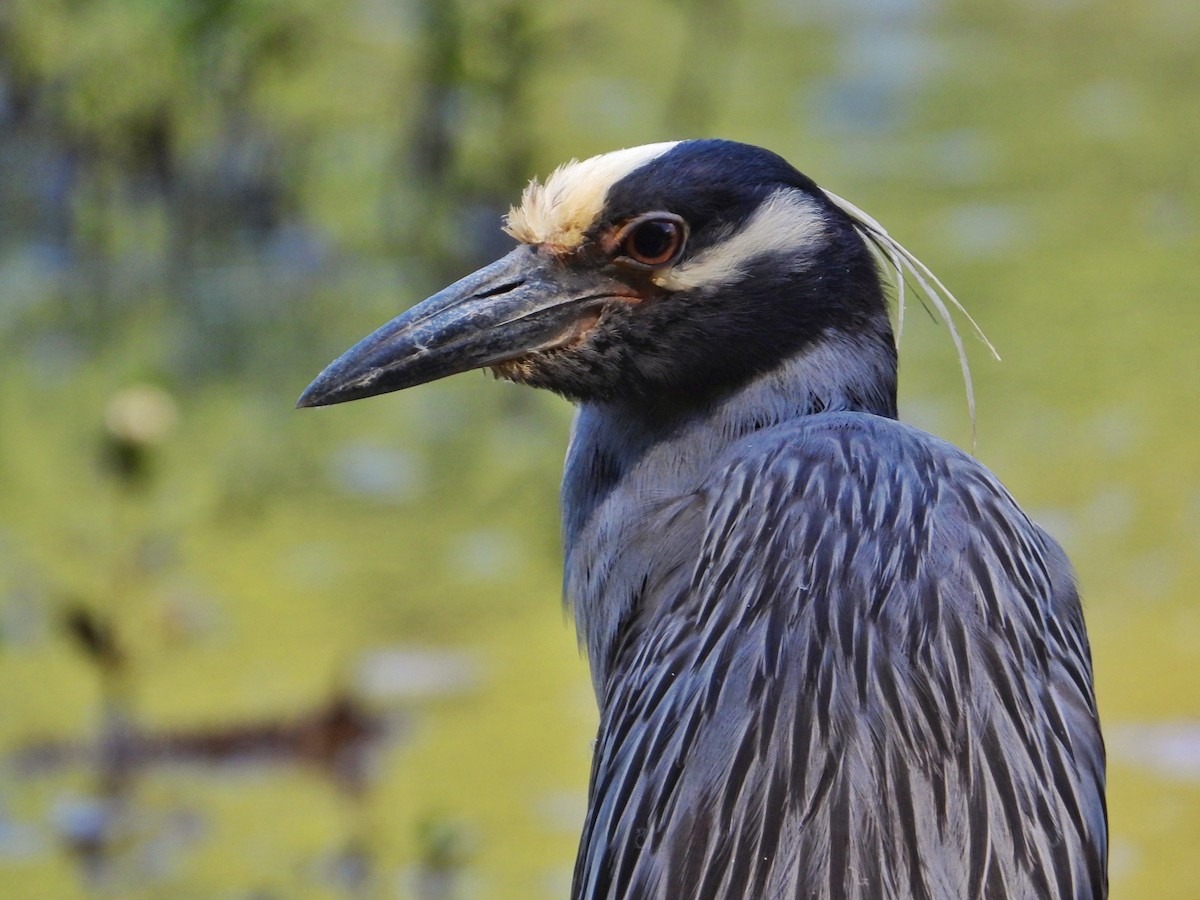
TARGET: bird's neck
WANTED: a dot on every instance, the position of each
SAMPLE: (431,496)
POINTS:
(626,460)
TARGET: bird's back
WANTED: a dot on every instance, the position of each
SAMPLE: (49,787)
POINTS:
(858,671)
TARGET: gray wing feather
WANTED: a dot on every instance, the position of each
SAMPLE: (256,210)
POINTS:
(873,681)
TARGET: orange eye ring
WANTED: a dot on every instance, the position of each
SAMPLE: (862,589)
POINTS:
(652,240)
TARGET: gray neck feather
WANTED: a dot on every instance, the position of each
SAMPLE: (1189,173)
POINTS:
(628,473)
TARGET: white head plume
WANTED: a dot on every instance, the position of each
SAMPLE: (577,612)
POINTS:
(895,256)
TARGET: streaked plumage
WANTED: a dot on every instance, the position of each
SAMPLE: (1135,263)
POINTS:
(833,657)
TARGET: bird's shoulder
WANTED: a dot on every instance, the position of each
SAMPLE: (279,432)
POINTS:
(867,477)
(853,448)
(860,505)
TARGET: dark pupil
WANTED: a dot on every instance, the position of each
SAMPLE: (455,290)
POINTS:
(653,239)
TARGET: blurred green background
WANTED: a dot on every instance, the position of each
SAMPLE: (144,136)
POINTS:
(249,652)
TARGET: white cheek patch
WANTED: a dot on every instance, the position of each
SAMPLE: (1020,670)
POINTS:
(560,211)
(788,222)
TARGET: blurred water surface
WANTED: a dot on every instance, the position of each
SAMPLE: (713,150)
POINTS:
(246,651)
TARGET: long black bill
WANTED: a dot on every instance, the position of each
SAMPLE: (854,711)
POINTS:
(524,302)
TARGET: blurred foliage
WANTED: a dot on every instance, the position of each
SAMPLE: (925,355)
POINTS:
(203,201)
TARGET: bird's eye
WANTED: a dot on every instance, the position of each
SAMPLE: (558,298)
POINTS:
(653,240)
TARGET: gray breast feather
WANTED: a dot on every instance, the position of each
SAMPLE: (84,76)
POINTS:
(872,671)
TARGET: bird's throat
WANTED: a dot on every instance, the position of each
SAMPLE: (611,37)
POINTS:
(627,463)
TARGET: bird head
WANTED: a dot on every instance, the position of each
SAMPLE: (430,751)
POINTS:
(673,270)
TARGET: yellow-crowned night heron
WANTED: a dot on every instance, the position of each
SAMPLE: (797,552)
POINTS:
(832,655)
